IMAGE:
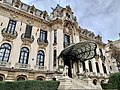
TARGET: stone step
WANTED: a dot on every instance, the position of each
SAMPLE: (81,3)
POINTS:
(68,83)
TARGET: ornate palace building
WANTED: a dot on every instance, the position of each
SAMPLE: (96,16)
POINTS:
(31,41)
(113,55)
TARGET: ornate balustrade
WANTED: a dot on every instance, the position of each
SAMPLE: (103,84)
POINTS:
(22,66)
(5,64)
(27,39)
(9,35)
(41,68)
(44,43)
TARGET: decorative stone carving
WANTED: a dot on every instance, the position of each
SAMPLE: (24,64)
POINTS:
(8,35)
(43,27)
(65,72)
(41,68)
(26,39)
(67,30)
(102,58)
(5,64)
(43,43)
(30,22)
(98,37)
(97,57)
(85,73)
(14,16)
(22,66)
(17,3)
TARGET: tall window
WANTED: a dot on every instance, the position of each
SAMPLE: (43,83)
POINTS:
(43,36)
(40,58)
(104,68)
(83,63)
(11,26)
(66,40)
(5,50)
(90,66)
(101,53)
(28,31)
(55,36)
(24,54)
(54,57)
(97,67)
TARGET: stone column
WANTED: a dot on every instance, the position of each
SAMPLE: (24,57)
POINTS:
(86,65)
(100,66)
(94,65)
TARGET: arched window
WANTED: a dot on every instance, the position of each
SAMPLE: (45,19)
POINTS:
(90,66)
(97,67)
(83,63)
(1,78)
(21,77)
(5,50)
(24,54)
(41,78)
(95,82)
(54,57)
(104,68)
(40,58)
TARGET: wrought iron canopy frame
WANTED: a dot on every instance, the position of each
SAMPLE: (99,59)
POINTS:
(81,51)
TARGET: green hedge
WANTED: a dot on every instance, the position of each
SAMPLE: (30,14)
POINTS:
(113,83)
(108,86)
(115,80)
(29,85)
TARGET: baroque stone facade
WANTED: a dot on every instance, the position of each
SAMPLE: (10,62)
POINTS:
(113,55)
(31,40)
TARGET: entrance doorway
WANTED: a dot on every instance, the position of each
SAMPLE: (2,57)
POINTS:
(70,66)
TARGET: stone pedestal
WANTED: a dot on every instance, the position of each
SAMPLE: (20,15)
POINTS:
(65,83)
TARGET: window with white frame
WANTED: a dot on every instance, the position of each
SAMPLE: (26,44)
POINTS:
(43,36)
(40,58)
(11,26)
(5,50)
(24,55)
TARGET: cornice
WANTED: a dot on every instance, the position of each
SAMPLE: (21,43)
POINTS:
(56,21)
(22,13)
(87,38)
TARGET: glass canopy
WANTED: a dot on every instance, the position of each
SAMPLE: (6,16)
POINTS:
(80,51)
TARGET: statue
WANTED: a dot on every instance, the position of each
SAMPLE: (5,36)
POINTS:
(86,73)
(65,71)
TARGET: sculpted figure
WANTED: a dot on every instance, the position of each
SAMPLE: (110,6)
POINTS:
(65,72)
(86,73)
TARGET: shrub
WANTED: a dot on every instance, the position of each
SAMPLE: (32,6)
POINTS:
(29,85)
(115,80)
(113,83)
(108,86)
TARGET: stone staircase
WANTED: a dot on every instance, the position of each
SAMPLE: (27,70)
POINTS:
(71,84)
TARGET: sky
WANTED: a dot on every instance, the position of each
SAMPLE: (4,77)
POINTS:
(99,16)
